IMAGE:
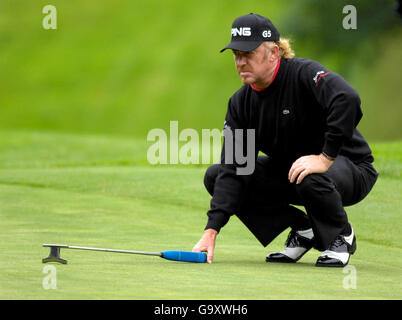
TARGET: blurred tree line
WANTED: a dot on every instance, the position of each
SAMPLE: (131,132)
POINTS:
(316,26)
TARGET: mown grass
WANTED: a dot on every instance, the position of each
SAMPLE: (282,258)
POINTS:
(100,191)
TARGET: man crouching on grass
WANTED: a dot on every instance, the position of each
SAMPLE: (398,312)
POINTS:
(305,119)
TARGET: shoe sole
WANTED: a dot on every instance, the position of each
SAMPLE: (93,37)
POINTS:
(284,259)
(330,265)
(351,251)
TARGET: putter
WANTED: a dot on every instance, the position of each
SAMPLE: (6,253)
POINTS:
(186,256)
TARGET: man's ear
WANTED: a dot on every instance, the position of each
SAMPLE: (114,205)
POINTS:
(275,53)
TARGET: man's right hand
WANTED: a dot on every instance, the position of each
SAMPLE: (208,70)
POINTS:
(207,243)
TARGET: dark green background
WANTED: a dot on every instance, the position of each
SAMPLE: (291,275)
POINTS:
(126,67)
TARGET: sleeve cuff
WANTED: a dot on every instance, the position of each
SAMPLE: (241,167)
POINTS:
(331,149)
(216,220)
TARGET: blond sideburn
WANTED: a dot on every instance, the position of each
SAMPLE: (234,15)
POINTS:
(285,51)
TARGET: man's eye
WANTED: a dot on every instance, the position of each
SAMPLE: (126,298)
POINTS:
(241,54)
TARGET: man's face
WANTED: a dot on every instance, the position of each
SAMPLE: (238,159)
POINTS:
(253,67)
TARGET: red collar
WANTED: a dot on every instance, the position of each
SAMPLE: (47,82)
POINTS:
(273,78)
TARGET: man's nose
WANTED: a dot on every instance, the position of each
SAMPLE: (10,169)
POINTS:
(241,61)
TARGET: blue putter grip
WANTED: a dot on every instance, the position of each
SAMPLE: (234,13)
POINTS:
(187,256)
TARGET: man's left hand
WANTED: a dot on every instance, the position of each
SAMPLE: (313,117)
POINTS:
(308,164)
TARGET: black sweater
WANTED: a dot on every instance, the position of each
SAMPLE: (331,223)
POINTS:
(306,110)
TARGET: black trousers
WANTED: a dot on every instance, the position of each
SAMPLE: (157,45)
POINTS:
(267,207)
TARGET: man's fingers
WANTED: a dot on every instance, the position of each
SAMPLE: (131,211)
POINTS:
(297,165)
(292,170)
(299,162)
(199,248)
(295,173)
(207,244)
(306,165)
(210,255)
(209,250)
(302,175)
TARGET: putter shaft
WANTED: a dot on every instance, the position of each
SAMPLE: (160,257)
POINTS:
(103,249)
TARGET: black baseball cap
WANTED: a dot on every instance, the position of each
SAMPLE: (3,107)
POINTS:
(249,31)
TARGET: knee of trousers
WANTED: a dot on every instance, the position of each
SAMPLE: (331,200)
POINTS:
(315,186)
(210,176)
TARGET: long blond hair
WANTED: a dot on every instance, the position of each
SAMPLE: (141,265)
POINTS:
(285,51)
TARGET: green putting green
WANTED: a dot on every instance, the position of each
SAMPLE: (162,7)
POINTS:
(100,192)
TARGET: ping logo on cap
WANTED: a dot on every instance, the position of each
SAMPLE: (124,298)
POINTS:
(249,31)
(245,31)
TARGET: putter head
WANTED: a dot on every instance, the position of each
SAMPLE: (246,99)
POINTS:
(54,255)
